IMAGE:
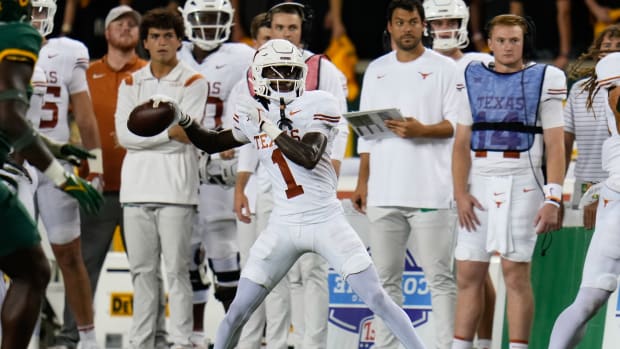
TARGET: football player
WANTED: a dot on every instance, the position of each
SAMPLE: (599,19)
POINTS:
(208,25)
(308,278)
(21,256)
(602,264)
(501,198)
(294,132)
(64,62)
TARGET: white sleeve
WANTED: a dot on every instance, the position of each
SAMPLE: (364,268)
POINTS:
(127,100)
(238,130)
(340,142)
(554,85)
(194,99)
(78,82)
(333,81)
(464,116)
(248,158)
(552,98)
(229,105)
(39,83)
(327,115)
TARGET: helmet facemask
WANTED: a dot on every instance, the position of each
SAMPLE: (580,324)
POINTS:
(42,16)
(446,39)
(453,38)
(279,71)
(207,23)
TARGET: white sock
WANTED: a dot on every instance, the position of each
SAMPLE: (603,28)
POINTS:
(87,333)
(198,334)
(518,345)
(462,344)
(483,344)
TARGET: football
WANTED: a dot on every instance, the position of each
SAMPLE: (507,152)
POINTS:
(147,120)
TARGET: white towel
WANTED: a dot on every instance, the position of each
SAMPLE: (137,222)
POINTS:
(499,234)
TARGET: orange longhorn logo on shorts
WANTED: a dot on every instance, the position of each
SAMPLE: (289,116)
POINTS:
(605,202)
(499,203)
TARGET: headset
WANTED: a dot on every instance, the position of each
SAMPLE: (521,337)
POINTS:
(304,11)
(529,39)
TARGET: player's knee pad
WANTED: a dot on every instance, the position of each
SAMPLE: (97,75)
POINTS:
(198,271)
(227,270)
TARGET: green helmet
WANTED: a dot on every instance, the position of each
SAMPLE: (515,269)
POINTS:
(15,10)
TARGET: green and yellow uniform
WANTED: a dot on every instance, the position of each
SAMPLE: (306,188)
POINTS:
(19,42)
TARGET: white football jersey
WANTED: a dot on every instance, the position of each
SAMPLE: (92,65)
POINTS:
(65,62)
(300,195)
(39,87)
(222,68)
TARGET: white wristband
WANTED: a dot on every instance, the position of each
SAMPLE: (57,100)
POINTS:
(95,165)
(270,129)
(551,202)
(553,191)
(56,173)
(185,120)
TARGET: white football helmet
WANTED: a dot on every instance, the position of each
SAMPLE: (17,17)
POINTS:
(207,22)
(447,9)
(43,12)
(279,71)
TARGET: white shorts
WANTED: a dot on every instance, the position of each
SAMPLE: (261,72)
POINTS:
(215,224)
(602,265)
(59,212)
(280,245)
(526,199)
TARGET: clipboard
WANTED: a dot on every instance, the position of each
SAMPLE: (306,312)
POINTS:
(369,124)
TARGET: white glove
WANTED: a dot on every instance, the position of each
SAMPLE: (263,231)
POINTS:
(179,116)
(591,195)
(248,107)
(254,111)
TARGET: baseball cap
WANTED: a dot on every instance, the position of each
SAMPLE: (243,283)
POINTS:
(119,11)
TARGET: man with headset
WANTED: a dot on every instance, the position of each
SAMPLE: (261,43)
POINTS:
(404,182)
(512,108)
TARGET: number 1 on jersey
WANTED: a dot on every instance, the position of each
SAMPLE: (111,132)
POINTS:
(293,189)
